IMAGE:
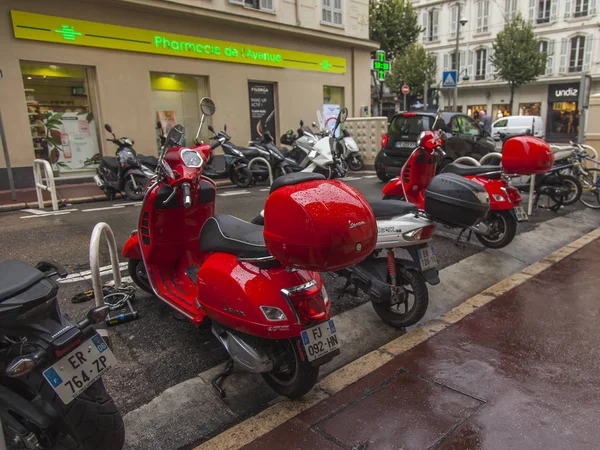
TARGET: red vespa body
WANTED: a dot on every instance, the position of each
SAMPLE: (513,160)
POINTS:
(271,318)
(522,155)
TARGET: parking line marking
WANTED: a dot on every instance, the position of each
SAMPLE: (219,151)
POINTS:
(230,194)
(128,204)
(350,178)
(265,190)
(102,209)
(370,176)
(46,215)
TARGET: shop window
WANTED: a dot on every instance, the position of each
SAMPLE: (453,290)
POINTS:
(564,118)
(483,12)
(60,111)
(499,111)
(332,12)
(480,63)
(333,95)
(576,54)
(473,111)
(530,109)
(176,100)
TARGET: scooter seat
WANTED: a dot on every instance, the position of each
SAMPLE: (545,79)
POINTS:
(151,161)
(249,152)
(228,234)
(391,208)
(111,162)
(16,276)
(295,178)
(464,169)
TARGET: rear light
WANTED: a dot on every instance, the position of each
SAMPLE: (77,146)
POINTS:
(420,233)
(514,195)
(408,114)
(384,140)
(66,349)
(309,302)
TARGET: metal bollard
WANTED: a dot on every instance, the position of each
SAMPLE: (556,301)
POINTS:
(258,158)
(39,186)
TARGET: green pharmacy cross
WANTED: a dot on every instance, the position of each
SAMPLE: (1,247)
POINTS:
(68,33)
(380,65)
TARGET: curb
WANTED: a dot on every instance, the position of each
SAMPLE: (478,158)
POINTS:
(101,198)
(267,420)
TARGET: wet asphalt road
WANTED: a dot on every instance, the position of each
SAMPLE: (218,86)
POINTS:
(161,350)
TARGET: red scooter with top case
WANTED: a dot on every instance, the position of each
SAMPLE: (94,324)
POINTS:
(523,155)
(258,287)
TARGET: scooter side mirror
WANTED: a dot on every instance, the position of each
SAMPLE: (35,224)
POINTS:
(211,129)
(225,128)
(108,128)
(301,123)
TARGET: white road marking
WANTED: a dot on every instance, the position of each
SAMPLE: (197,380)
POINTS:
(231,194)
(128,204)
(102,209)
(87,274)
(37,211)
(265,190)
(227,187)
(370,176)
(350,178)
(46,215)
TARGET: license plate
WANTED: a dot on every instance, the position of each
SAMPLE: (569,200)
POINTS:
(427,258)
(74,373)
(400,144)
(521,214)
(320,340)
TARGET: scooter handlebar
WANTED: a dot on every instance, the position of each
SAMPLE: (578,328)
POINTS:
(187,196)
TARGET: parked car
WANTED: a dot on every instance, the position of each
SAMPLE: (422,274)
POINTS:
(465,138)
(518,125)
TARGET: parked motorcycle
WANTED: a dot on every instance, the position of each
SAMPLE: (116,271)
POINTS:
(258,288)
(51,394)
(236,160)
(396,286)
(521,156)
(123,172)
(347,150)
(559,189)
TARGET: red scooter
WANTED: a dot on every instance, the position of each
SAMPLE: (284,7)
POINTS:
(523,155)
(258,287)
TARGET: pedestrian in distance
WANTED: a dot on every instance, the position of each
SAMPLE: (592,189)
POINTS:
(485,121)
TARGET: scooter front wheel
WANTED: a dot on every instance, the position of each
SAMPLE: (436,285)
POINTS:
(240,176)
(410,300)
(135,192)
(503,228)
(293,376)
(137,272)
(356,163)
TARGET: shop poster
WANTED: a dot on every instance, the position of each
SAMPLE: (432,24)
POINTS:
(330,110)
(79,141)
(262,105)
(167,120)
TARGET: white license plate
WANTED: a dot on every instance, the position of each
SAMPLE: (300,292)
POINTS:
(521,214)
(320,340)
(74,373)
(400,144)
(427,258)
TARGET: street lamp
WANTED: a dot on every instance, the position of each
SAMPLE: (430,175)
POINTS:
(462,21)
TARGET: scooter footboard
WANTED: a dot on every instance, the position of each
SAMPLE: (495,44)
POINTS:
(239,295)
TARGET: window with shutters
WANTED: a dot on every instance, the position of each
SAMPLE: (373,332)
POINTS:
(544,47)
(332,12)
(543,13)
(483,12)
(453,61)
(431,25)
(576,53)
(581,8)
(454,23)
(262,5)
(511,9)
(480,63)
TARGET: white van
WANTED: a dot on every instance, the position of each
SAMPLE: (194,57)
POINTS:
(519,125)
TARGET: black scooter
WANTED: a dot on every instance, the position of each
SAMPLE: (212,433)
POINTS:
(123,172)
(236,160)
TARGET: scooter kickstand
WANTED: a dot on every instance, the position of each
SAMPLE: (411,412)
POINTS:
(218,380)
(457,242)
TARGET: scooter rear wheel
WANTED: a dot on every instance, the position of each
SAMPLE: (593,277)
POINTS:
(356,163)
(294,376)
(137,272)
(504,229)
(240,176)
(409,283)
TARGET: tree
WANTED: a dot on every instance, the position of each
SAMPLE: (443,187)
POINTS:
(414,67)
(516,57)
(392,23)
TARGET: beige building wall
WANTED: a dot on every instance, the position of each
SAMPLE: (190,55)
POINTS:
(123,94)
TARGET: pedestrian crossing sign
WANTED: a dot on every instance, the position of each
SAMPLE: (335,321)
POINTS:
(449,78)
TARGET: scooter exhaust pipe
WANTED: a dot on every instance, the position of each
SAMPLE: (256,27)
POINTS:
(246,355)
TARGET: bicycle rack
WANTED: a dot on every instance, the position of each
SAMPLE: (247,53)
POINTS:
(100,229)
(39,186)
(258,158)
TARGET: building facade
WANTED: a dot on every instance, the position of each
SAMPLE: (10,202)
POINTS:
(567,31)
(70,66)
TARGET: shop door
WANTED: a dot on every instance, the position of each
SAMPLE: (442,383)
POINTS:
(261,98)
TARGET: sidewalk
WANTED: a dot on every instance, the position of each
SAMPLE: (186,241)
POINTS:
(518,371)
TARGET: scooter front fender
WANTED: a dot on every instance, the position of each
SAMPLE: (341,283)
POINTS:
(132,249)
(231,293)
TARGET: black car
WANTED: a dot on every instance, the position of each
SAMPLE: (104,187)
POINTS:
(465,138)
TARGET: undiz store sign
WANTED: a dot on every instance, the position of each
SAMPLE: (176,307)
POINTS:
(62,30)
(564,92)
(210,49)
